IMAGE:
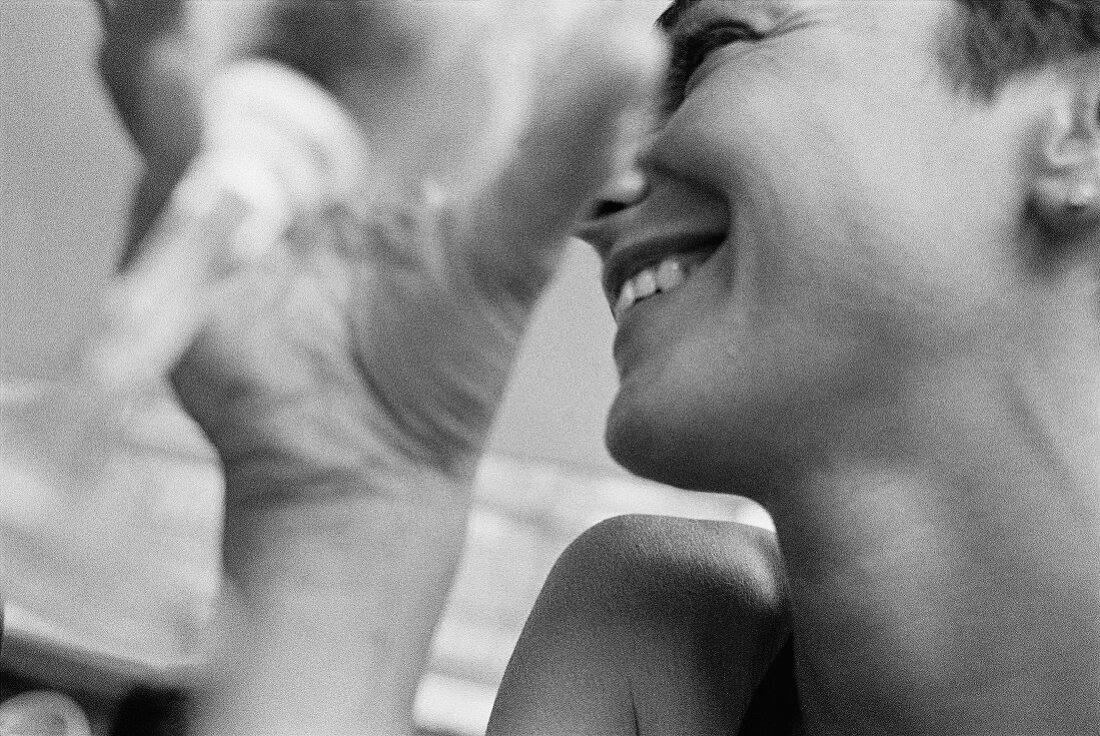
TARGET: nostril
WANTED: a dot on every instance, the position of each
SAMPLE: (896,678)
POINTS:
(606,208)
(625,190)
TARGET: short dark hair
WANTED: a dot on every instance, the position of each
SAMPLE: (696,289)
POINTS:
(995,40)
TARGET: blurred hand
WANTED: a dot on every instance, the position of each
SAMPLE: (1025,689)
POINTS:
(348,378)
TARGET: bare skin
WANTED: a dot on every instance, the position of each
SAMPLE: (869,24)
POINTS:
(656,626)
(894,346)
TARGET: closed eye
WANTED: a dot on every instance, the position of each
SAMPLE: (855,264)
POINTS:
(689,51)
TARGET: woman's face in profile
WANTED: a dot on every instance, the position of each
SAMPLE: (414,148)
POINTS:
(823,206)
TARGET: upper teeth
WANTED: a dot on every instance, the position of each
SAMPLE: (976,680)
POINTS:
(659,278)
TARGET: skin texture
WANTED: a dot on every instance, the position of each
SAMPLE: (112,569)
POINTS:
(656,626)
(895,350)
(348,384)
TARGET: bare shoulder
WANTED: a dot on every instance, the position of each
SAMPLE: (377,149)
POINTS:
(666,560)
(655,625)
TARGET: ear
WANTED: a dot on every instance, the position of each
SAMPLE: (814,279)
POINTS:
(1066,189)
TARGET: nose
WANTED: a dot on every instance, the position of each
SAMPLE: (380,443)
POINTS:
(625,189)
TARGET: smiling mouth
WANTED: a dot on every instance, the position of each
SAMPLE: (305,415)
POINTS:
(636,274)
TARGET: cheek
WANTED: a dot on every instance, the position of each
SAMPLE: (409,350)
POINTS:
(858,224)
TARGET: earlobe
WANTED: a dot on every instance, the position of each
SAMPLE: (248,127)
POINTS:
(1066,191)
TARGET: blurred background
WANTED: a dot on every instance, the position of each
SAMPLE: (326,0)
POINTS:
(134,578)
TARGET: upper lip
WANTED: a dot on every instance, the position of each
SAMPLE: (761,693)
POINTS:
(627,260)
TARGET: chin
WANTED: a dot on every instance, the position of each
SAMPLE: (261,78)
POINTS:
(699,446)
(668,447)
(649,450)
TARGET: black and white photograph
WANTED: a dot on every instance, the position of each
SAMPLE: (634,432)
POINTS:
(550,368)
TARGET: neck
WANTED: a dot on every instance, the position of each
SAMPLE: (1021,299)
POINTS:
(944,555)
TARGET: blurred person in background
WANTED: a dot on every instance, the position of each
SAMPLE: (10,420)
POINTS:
(349,380)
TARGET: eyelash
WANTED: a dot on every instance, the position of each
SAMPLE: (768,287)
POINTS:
(690,50)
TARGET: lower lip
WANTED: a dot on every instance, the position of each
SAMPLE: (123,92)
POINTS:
(629,341)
